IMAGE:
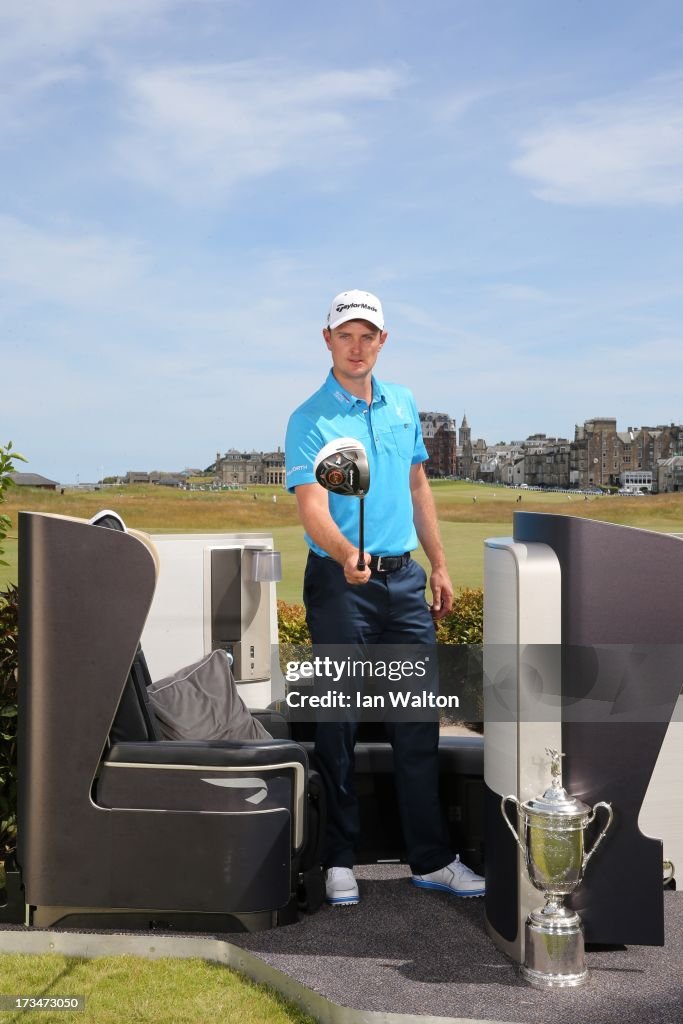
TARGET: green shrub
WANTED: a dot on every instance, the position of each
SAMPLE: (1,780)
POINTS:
(291,624)
(464,625)
(293,634)
(7,457)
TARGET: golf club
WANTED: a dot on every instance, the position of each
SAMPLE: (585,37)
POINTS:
(342,468)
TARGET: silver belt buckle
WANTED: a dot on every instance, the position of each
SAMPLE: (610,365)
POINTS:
(378,567)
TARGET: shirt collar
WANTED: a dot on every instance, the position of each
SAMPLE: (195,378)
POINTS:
(346,399)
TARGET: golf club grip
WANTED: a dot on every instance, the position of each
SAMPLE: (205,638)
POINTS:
(361,535)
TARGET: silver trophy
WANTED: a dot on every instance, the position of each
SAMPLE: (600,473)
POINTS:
(553,847)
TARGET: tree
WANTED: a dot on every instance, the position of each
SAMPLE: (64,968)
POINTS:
(7,458)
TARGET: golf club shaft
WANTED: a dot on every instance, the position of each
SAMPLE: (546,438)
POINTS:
(361,534)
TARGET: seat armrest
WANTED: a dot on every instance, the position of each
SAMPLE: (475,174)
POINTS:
(275,722)
(165,775)
(209,753)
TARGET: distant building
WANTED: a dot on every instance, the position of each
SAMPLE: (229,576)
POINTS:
(636,480)
(441,441)
(479,452)
(156,476)
(34,480)
(240,469)
(601,455)
(546,462)
(670,474)
(466,462)
(496,466)
(595,454)
(517,475)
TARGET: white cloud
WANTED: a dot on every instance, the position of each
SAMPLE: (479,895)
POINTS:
(197,132)
(43,28)
(22,99)
(68,266)
(624,150)
(454,106)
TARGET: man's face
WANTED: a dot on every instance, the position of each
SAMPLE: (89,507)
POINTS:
(355,346)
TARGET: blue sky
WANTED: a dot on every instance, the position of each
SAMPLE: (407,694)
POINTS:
(185,184)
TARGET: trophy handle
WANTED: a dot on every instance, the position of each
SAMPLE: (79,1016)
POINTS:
(610,816)
(509,824)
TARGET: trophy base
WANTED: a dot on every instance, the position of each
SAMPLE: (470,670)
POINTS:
(554,949)
(540,979)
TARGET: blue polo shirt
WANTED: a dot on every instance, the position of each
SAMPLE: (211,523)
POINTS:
(389,428)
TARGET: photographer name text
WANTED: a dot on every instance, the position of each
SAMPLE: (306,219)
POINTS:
(397,699)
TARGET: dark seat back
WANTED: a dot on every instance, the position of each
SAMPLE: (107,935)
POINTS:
(135,719)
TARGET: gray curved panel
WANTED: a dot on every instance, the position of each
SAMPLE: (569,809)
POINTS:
(85,593)
(622,658)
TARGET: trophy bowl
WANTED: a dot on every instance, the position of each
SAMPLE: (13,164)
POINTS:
(553,828)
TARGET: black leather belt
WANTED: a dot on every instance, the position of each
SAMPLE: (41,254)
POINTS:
(388,563)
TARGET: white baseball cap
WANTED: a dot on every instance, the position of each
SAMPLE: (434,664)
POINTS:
(355,305)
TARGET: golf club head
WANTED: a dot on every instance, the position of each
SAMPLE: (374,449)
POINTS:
(342,467)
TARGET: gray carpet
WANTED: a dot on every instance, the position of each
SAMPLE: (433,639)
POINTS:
(405,950)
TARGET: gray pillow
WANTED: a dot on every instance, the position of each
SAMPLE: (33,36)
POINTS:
(201,702)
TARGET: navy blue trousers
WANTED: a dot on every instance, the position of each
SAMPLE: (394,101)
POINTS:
(389,609)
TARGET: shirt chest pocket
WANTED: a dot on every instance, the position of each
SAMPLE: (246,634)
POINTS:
(400,438)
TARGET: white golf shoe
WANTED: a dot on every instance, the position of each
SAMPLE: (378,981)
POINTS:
(341,888)
(455,878)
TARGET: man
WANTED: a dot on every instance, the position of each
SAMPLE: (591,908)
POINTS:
(383,603)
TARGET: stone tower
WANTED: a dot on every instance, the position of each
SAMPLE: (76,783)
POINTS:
(465,441)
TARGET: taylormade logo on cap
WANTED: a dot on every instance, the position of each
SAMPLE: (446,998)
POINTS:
(355,305)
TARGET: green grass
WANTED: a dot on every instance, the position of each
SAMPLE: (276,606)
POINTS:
(463,543)
(289,541)
(465,524)
(464,547)
(137,990)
